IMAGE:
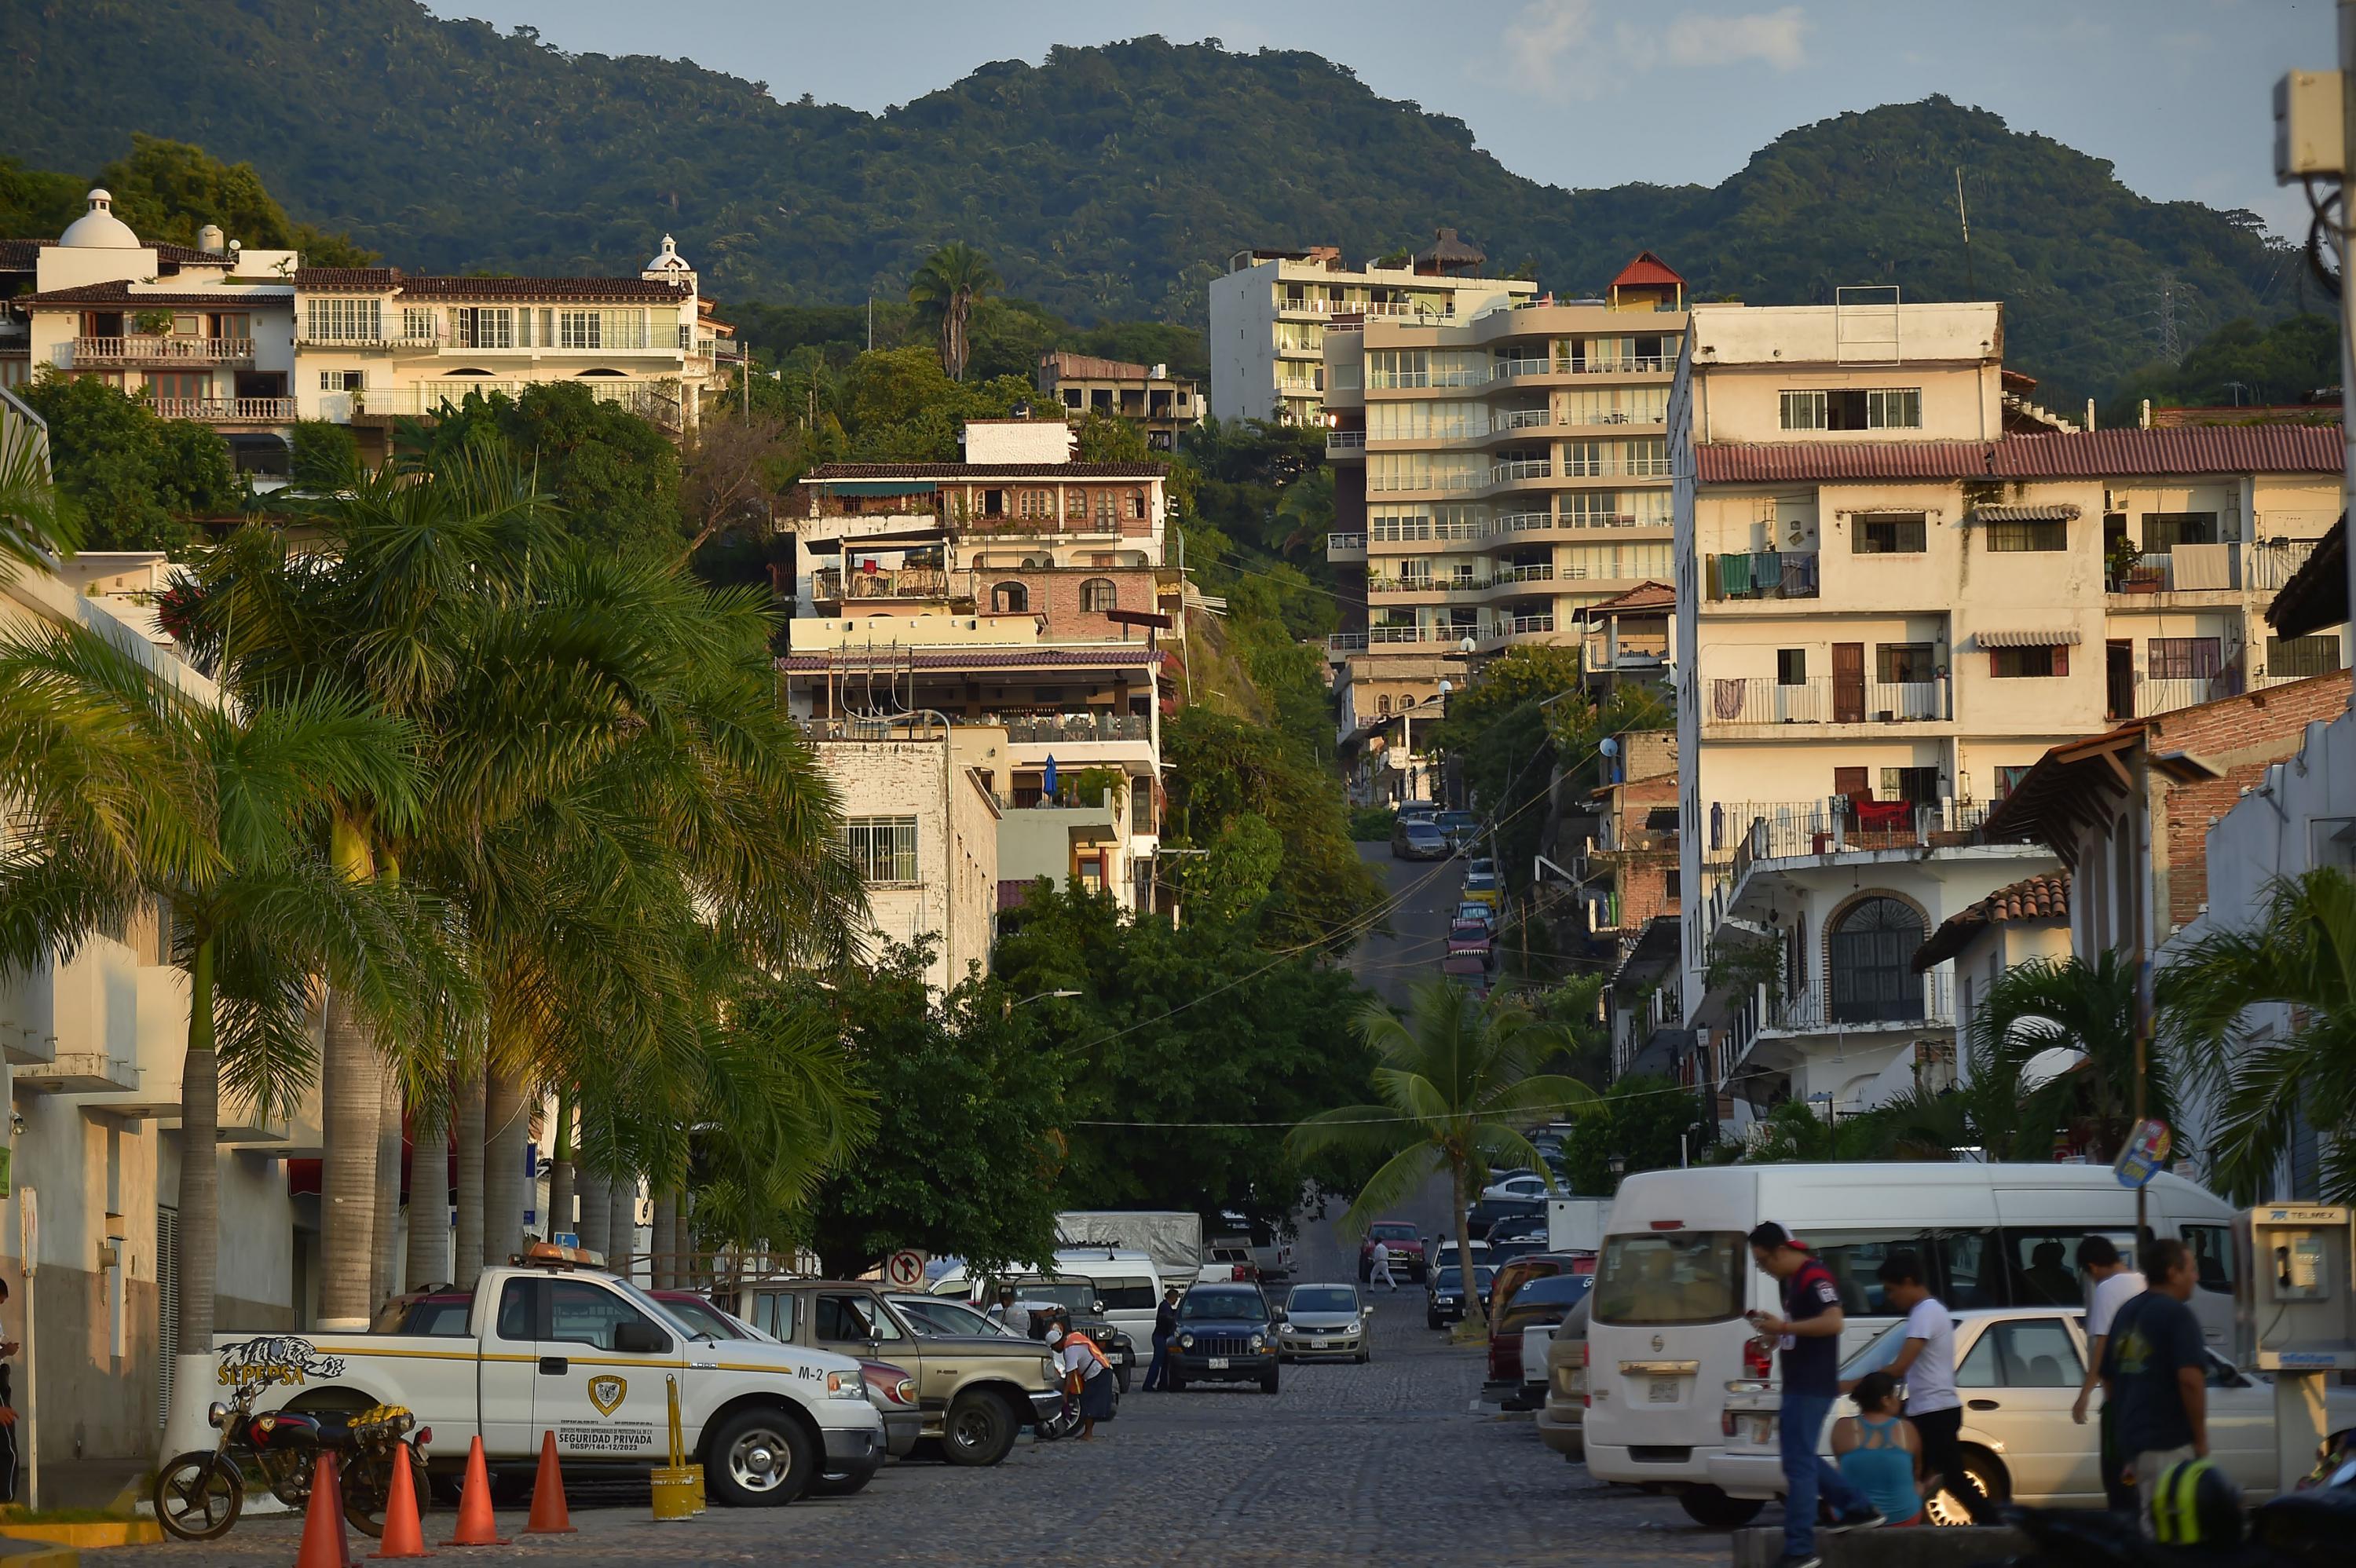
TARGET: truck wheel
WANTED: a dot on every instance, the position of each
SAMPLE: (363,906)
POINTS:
(1121,1378)
(759,1458)
(1713,1510)
(1268,1381)
(843,1483)
(976,1430)
(1173,1381)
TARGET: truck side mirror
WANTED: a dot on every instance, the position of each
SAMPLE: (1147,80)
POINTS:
(640,1338)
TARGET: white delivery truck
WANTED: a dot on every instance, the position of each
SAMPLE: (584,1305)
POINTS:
(1173,1238)
(1666,1331)
(1576,1224)
(554,1346)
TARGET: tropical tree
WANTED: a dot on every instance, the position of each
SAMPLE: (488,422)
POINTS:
(945,288)
(1457,1084)
(2068,1005)
(129,787)
(34,526)
(2269,1082)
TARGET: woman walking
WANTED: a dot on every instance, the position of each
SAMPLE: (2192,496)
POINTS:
(1879,1451)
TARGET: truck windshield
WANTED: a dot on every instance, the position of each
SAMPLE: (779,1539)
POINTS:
(1659,1280)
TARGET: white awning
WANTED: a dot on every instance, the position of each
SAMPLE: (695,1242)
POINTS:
(2062,638)
(2052,512)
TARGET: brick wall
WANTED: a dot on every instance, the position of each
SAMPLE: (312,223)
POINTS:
(1056,593)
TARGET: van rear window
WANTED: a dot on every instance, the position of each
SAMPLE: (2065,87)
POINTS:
(1653,1281)
(1128,1295)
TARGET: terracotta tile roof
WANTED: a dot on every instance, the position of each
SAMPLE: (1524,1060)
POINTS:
(120,294)
(1646,268)
(425,285)
(1126,654)
(1647,596)
(2075,455)
(826,471)
(22,255)
(2044,898)
(348,278)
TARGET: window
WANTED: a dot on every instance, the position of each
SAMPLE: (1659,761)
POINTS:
(515,1311)
(1104,509)
(1869,950)
(1036,504)
(1009,599)
(233,323)
(1098,595)
(342,320)
(580,329)
(1916,786)
(1383,705)
(1885,533)
(1791,666)
(2291,658)
(2212,1256)
(846,1317)
(2036,534)
(420,322)
(2163,531)
(2015,663)
(482,326)
(777,1313)
(1659,1281)
(1854,1256)
(190,384)
(1071,397)
(2043,1264)
(2007,779)
(341,381)
(2023,1352)
(1898,663)
(2183,658)
(1101,558)
(1672,884)
(1876,408)
(587,1314)
(884,848)
(1135,510)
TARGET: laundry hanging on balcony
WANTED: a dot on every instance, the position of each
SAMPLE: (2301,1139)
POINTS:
(1726,699)
(1766,570)
(1733,575)
(2203,566)
(1799,576)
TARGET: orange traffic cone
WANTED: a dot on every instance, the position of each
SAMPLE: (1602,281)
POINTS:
(325,1544)
(403,1537)
(549,1515)
(475,1525)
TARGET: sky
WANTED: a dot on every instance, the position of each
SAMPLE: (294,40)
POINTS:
(2175,93)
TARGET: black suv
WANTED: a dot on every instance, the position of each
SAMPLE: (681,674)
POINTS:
(1076,1301)
(1227,1333)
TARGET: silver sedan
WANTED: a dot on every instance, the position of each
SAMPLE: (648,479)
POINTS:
(1324,1323)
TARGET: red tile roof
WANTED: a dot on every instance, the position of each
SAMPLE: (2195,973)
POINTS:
(347,277)
(826,471)
(1126,654)
(1644,596)
(422,286)
(2044,898)
(22,255)
(2076,455)
(120,294)
(1646,268)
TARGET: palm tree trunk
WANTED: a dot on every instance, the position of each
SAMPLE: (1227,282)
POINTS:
(467,1265)
(665,1244)
(622,1195)
(429,1202)
(199,1214)
(1468,1277)
(350,1095)
(384,1273)
(560,1169)
(596,1206)
(504,1136)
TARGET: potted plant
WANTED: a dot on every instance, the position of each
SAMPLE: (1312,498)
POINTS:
(153,322)
(2119,563)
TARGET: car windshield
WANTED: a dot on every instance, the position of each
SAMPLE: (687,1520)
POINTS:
(1476,914)
(1656,1281)
(1323,1298)
(704,1317)
(1448,1279)
(1423,830)
(1076,1296)
(1481,881)
(1468,931)
(935,1319)
(1201,1303)
(1554,1290)
(1874,1353)
(1392,1231)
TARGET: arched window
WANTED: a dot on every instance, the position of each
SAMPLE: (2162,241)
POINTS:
(1009,599)
(1871,947)
(1098,595)
(1383,705)
(1136,509)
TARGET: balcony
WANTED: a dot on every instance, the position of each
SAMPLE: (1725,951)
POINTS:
(1342,443)
(1764,700)
(228,410)
(1345,643)
(2166,694)
(1542,572)
(85,353)
(1520,419)
(1760,574)
(2190,569)
(1346,547)
(1521,468)
(78,1072)
(831,585)
(657,402)
(1916,999)
(1074,728)
(2271,563)
(1739,833)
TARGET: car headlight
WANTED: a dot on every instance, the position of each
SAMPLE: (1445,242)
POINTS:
(846,1386)
(1259,1342)
(1355,1328)
(1049,1372)
(1185,1341)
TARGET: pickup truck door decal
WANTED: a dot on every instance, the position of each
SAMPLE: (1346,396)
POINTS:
(598,1404)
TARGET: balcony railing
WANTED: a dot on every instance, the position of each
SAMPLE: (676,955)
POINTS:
(144,348)
(1735,833)
(1523,626)
(1345,643)
(2273,562)
(1543,572)
(2215,569)
(906,583)
(1760,574)
(1315,305)
(1907,999)
(1763,699)
(1346,547)
(1520,419)
(2166,694)
(1075,729)
(1521,468)
(1338,441)
(228,410)
(654,402)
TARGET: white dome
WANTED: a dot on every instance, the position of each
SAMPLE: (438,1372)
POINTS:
(99,229)
(667,258)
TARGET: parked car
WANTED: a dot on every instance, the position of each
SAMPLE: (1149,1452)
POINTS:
(1483,888)
(1461,828)
(2019,1371)
(1324,1323)
(1225,1334)
(1041,1302)
(1505,1251)
(1474,937)
(1467,969)
(1419,838)
(1405,1250)
(1443,1252)
(1518,1228)
(1543,1300)
(1443,1299)
(937,1318)
(1523,1266)
(1522,1184)
(1474,911)
(1562,1417)
(1483,1215)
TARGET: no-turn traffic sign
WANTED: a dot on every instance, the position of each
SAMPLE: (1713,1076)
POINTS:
(905,1270)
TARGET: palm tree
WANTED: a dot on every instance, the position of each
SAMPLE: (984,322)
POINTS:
(2300,957)
(1457,1084)
(131,787)
(34,523)
(2067,1003)
(946,288)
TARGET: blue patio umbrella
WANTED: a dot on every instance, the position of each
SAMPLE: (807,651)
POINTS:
(1047,784)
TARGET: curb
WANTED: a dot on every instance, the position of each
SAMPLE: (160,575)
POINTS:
(93,1536)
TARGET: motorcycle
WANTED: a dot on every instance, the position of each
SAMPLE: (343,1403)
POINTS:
(198,1495)
(371,1444)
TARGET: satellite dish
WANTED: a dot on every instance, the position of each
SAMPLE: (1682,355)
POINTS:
(2047,1065)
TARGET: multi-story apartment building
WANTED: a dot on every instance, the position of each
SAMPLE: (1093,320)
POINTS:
(1017,591)
(1498,475)
(1270,314)
(1892,579)
(1145,395)
(248,341)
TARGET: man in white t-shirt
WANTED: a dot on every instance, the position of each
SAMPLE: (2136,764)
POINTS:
(1379,1275)
(2116,1283)
(1923,1358)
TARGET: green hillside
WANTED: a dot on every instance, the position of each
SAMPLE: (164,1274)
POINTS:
(1105,184)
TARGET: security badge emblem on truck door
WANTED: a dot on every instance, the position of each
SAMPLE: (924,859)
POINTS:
(607,1393)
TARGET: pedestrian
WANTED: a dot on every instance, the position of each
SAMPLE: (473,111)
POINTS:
(1379,1277)
(1165,1328)
(2115,1283)
(1808,1331)
(1881,1452)
(2155,1372)
(1924,1360)
(1004,1312)
(7,1410)
(1087,1376)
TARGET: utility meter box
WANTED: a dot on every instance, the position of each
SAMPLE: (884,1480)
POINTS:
(2296,1303)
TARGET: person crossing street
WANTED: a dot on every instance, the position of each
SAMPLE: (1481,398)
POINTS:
(1809,1330)
(1165,1328)
(1380,1278)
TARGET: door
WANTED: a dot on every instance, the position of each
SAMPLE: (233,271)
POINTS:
(507,1378)
(1849,683)
(600,1401)
(2018,1381)
(2119,680)
(854,1323)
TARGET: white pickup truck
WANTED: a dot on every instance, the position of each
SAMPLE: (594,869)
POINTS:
(553,1347)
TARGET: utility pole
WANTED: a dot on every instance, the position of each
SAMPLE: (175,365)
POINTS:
(1971,287)
(2170,347)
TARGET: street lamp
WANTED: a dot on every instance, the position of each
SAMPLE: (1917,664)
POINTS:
(1041,997)
(1618,1165)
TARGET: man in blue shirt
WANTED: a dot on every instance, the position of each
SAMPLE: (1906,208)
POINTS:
(2155,1372)
(1809,1330)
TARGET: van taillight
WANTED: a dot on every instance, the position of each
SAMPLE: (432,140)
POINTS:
(1758,1362)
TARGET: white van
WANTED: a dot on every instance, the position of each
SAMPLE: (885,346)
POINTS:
(1125,1280)
(1665,1331)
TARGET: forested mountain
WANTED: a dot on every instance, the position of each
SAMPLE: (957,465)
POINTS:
(1105,183)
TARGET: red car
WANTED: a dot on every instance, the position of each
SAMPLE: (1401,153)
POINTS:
(1406,1249)
(1471,938)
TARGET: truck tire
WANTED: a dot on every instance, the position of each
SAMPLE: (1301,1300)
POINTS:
(1713,1510)
(976,1430)
(1268,1381)
(760,1457)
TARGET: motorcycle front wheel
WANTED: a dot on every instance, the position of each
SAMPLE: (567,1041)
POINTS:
(199,1496)
(367,1487)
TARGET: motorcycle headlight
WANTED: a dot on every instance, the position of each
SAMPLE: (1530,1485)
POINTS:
(1185,1341)
(216,1413)
(845,1385)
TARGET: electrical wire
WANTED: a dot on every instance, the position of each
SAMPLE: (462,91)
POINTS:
(1688,1091)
